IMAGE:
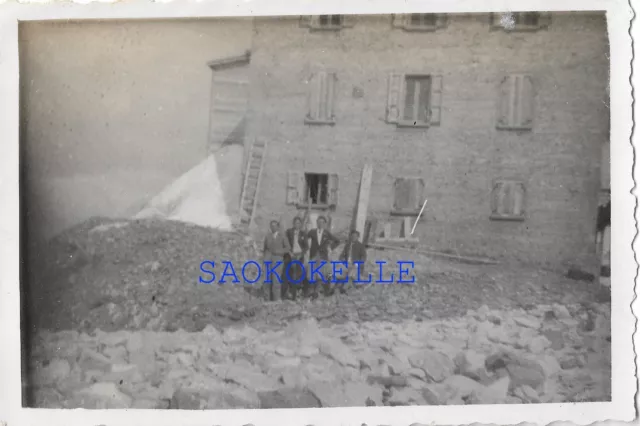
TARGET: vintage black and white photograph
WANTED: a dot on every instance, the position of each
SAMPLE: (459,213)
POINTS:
(313,211)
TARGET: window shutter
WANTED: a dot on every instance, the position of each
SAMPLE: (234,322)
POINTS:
(495,21)
(321,96)
(504,103)
(515,109)
(526,98)
(315,89)
(402,194)
(394,97)
(435,110)
(333,189)
(544,20)
(441,20)
(349,21)
(508,200)
(498,199)
(306,21)
(398,21)
(329,93)
(518,199)
(293,187)
(418,193)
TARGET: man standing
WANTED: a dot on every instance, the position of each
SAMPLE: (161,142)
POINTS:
(354,253)
(294,271)
(275,247)
(320,243)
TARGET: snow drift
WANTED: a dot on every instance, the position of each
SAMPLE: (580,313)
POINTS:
(196,197)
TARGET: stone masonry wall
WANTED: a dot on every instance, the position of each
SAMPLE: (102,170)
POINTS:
(559,160)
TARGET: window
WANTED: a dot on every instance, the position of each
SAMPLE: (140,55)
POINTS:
(321,98)
(315,190)
(529,19)
(414,100)
(327,22)
(516,103)
(508,200)
(394,231)
(407,196)
(520,21)
(330,21)
(420,21)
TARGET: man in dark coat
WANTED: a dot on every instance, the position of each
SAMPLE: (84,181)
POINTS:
(276,246)
(294,274)
(320,243)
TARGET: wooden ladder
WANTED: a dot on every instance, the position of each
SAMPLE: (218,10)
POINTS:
(252,179)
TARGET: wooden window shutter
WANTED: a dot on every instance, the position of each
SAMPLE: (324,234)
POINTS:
(394,97)
(495,22)
(516,103)
(544,20)
(418,193)
(328,96)
(306,21)
(398,21)
(332,185)
(508,200)
(294,191)
(435,107)
(441,20)
(321,97)
(349,21)
(402,194)
(518,192)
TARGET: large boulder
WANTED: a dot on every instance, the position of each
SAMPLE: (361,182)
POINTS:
(436,365)
(521,370)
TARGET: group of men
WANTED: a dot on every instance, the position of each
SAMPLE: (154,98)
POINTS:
(296,248)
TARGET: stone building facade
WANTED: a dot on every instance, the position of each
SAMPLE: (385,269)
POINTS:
(501,129)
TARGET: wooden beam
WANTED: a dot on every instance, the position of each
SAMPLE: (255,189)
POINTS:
(431,253)
(360,216)
(386,230)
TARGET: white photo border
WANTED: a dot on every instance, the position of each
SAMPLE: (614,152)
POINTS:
(624,267)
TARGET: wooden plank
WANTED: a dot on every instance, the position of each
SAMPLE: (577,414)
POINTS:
(360,216)
(436,254)
(386,230)
(405,232)
(371,229)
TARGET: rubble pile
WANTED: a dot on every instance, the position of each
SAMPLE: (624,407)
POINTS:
(141,274)
(144,274)
(551,353)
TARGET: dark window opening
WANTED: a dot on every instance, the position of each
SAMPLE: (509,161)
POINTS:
(530,19)
(423,20)
(316,188)
(330,20)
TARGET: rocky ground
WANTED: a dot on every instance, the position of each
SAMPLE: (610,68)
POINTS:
(119,320)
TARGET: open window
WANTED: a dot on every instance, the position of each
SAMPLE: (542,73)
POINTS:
(312,190)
